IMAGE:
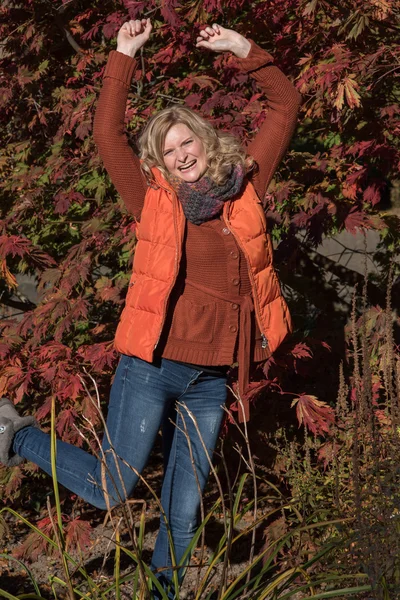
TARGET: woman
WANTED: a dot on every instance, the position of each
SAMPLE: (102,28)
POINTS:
(203,292)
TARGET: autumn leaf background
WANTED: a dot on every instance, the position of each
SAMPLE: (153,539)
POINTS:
(63,224)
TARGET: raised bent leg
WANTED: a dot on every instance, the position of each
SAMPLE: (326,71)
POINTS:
(139,399)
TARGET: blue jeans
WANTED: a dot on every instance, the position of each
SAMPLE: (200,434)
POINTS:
(144,398)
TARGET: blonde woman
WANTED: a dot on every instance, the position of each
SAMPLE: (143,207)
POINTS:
(203,292)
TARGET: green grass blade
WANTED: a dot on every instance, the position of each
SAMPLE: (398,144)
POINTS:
(21,564)
(281,540)
(283,576)
(323,579)
(199,530)
(59,532)
(30,597)
(305,566)
(59,581)
(135,583)
(239,494)
(219,552)
(54,591)
(142,527)
(53,457)
(5,594)
(148,572)
(342,592)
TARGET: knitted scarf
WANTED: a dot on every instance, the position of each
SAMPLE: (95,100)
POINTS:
(204,199)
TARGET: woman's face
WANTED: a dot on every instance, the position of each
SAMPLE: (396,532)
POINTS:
(184,153)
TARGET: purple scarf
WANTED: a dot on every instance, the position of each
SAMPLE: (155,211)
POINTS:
(203,200)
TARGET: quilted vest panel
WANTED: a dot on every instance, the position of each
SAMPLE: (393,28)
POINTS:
(156,266)
(247,221)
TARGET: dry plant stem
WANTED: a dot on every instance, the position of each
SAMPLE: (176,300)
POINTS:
(366,412)
(342,409)
(356,412)
(125,504)
(389,370)
(171,98)
(218,482)
(126,507)
(245,436)
(225,569)
(104,467)
(61,551)
(397,395)
(341,413)
(107,551)
(128,502)
(368,425)
(58,531)
(174,567)
(105,492)
(96,404)
(92,431)
(237,474)
(202,515)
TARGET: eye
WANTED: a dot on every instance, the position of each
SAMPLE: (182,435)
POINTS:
(188,142)
(167,152)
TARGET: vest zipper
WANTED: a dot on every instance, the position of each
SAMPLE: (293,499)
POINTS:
(264,342)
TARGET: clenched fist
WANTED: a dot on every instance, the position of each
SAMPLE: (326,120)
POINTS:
(219,39)
(133,35)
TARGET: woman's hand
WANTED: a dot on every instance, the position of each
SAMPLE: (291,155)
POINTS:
(133,35)
(219,39)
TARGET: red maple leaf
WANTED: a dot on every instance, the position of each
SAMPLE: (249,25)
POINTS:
(65,420)
(301,351)
(255,387)
(314,414)
(77,535)
(355,219)
(372,194)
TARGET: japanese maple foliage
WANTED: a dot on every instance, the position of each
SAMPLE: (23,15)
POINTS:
(61,220)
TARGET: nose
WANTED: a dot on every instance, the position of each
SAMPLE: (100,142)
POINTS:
(181,155)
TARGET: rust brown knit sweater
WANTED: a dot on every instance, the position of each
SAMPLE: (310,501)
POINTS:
(200,328)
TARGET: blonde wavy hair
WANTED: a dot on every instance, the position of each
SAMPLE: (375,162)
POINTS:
(222,149)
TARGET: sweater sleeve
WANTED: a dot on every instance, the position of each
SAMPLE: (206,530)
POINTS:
(121,163)
(272,140)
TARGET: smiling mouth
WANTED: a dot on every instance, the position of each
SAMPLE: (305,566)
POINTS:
(188,166)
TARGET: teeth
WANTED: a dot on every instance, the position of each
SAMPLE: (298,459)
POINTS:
(187,166)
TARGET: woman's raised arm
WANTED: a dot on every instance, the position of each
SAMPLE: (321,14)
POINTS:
(272,140)
(120,161)
(270,143)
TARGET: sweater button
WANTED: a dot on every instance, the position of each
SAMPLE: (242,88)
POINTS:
(235,306)
(226,231)
(234,254)
(233,329)
(235,281)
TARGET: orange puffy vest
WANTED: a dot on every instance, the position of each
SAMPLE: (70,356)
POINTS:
(156,266)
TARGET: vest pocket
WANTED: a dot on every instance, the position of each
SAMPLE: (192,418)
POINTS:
(193,322)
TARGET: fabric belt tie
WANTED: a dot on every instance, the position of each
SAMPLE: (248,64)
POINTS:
(246,306)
